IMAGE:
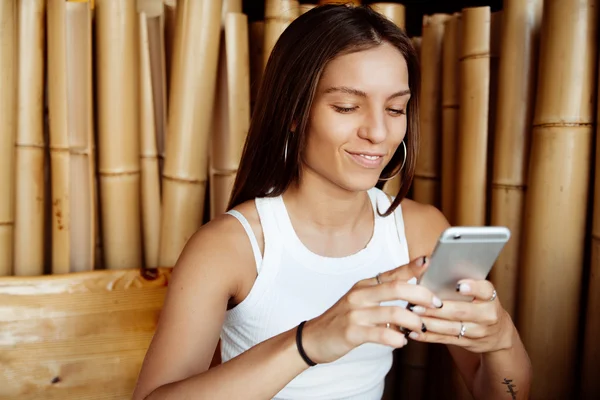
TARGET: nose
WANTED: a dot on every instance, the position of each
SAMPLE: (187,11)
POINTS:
(374,128)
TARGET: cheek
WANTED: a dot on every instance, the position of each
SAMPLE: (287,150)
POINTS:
(326,134)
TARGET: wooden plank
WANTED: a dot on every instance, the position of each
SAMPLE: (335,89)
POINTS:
(77,336)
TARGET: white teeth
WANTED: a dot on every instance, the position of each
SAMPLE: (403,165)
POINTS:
(370,157)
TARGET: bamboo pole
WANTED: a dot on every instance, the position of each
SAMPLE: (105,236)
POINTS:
(306,7)
(194,72)
(427,172)
(232,116)
(118,134)
(471,167)
(155,23)
(8,129)
(557,195)
(450,106)
(149,160)
(590,384)
(170,12)
(278,16)
(393,11)
(30,145)
(71,136)
(514,115)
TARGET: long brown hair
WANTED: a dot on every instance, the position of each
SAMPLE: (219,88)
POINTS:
(271,158)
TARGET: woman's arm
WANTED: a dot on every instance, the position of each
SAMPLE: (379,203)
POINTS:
(205,277)
(495,366)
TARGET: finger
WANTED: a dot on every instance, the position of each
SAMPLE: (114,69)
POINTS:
(480,290)
(431,337)
(379,335)
(413,269)
(482,313)
(393,291)
(452,328)
(379,315)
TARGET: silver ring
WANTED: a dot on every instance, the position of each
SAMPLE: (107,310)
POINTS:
(494,295)
(463,329)
(378,279)
(387,325)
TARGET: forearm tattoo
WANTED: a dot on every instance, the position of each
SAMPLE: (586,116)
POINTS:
(511,388)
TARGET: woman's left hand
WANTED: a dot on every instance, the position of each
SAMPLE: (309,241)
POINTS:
(480,326)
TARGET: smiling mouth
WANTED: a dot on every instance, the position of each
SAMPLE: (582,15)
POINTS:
(367,160)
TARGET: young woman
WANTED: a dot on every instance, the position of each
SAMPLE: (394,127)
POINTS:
(310,237)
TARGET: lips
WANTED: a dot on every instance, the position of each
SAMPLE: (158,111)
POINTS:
(367,160)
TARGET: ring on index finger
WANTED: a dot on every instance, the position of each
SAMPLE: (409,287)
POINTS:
(494,295)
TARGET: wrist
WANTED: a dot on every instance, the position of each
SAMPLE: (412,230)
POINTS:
(300,345)
(508,332)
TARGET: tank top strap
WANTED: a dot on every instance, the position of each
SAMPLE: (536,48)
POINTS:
(251,236)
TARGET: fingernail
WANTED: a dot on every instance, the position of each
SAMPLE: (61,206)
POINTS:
(414,335)
(410,306)
(418,310)
(423,327)
(463,288)
(437,302)
(421,261)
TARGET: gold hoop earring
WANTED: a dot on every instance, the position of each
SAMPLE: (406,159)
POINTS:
(402,166)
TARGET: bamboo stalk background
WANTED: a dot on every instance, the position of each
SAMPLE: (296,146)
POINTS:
(514,115)
(149,160)
(426,186)
(170,11)
(557,193)
(590,384)
(278,16)
(30,187)
(306,7)
(471,168)
(393,11)
(450,106)
(71,136)
(118,132)
(232,117)
(155,23)
(8,130)
(185,172)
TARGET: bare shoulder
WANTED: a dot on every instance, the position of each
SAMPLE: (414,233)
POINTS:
(423,224)
(216,266)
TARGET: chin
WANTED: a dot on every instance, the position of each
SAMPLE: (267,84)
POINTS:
(359,184)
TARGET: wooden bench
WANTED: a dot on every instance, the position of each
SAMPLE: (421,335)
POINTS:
(77,336)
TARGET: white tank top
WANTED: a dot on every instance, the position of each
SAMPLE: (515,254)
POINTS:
(295,284)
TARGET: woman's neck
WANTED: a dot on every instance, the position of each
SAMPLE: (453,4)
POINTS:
(327,206)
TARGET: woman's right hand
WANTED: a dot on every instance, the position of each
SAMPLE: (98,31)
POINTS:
(358,317)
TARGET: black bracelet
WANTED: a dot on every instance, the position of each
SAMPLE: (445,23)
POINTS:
(310,362)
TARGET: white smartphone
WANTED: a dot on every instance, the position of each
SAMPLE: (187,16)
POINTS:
(463,252)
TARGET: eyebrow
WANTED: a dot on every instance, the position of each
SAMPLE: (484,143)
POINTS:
(360,93)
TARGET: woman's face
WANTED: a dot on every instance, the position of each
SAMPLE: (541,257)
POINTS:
(358,117)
